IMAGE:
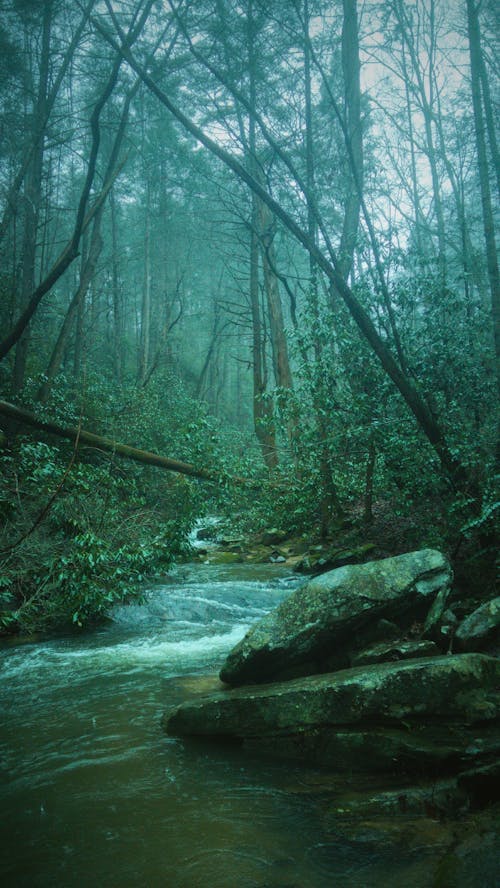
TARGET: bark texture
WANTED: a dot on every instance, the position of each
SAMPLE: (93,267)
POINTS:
(24,417)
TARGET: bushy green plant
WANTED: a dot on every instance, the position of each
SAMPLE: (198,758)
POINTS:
(69,557)
(83,530)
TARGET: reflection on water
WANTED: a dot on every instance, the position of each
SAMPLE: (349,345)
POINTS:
(94,794)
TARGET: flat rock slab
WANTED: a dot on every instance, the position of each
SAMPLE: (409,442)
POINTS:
(400,650)
(316,628)
(376,749)
(461,689)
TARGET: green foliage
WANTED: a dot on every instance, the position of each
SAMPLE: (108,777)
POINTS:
(342,416)
(84,531)
(83,583)
(100,537)
(484,525)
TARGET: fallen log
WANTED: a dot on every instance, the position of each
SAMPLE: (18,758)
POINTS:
(24,417)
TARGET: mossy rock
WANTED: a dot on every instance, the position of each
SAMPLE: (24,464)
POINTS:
(420,715)
(323,623)
(320,559)
(224,557)
(273,537)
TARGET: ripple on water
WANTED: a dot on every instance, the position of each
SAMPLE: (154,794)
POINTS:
(59,663)
(94,793)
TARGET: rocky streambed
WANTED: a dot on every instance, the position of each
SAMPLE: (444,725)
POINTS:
(364,670)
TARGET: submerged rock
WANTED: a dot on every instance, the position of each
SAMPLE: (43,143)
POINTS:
(414,714)
(437,798)
(209,533)
(322,623)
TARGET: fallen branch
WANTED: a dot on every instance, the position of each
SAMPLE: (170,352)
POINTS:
(81,437)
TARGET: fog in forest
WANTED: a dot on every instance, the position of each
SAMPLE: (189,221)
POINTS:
(249,331)
(258,239)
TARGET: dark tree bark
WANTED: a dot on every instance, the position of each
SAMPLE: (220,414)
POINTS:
(262,408)
(33,195)
(354,135)
(23,417)
(83,218)
(484,180)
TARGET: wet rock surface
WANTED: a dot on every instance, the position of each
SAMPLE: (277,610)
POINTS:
(320,626)
(396,650)
(460,689)
(322,558)
(407,755)
(407,711)
(481,629)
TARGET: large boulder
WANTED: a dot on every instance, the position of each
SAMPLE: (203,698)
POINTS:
(319,626)
(420,714)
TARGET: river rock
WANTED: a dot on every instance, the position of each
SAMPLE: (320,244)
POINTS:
(481,629)
(225,557)
(400,650)
(418,714)
(320,559)
(272,537)
(209,533)
(319,626)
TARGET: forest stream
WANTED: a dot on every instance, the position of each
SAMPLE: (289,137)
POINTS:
(94,793)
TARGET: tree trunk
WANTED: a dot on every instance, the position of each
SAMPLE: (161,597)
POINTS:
(145,331)
(86,276)
(419,219)
(309,144)
(484,182)
(80,341)
(117,335)
(262,409)
(98,442)
(281,362)
(426,98)
(33,196)
(88,266)
(38,134)
(354,135)
(83,219)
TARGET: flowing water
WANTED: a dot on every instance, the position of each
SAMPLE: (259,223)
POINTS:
(94,794)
